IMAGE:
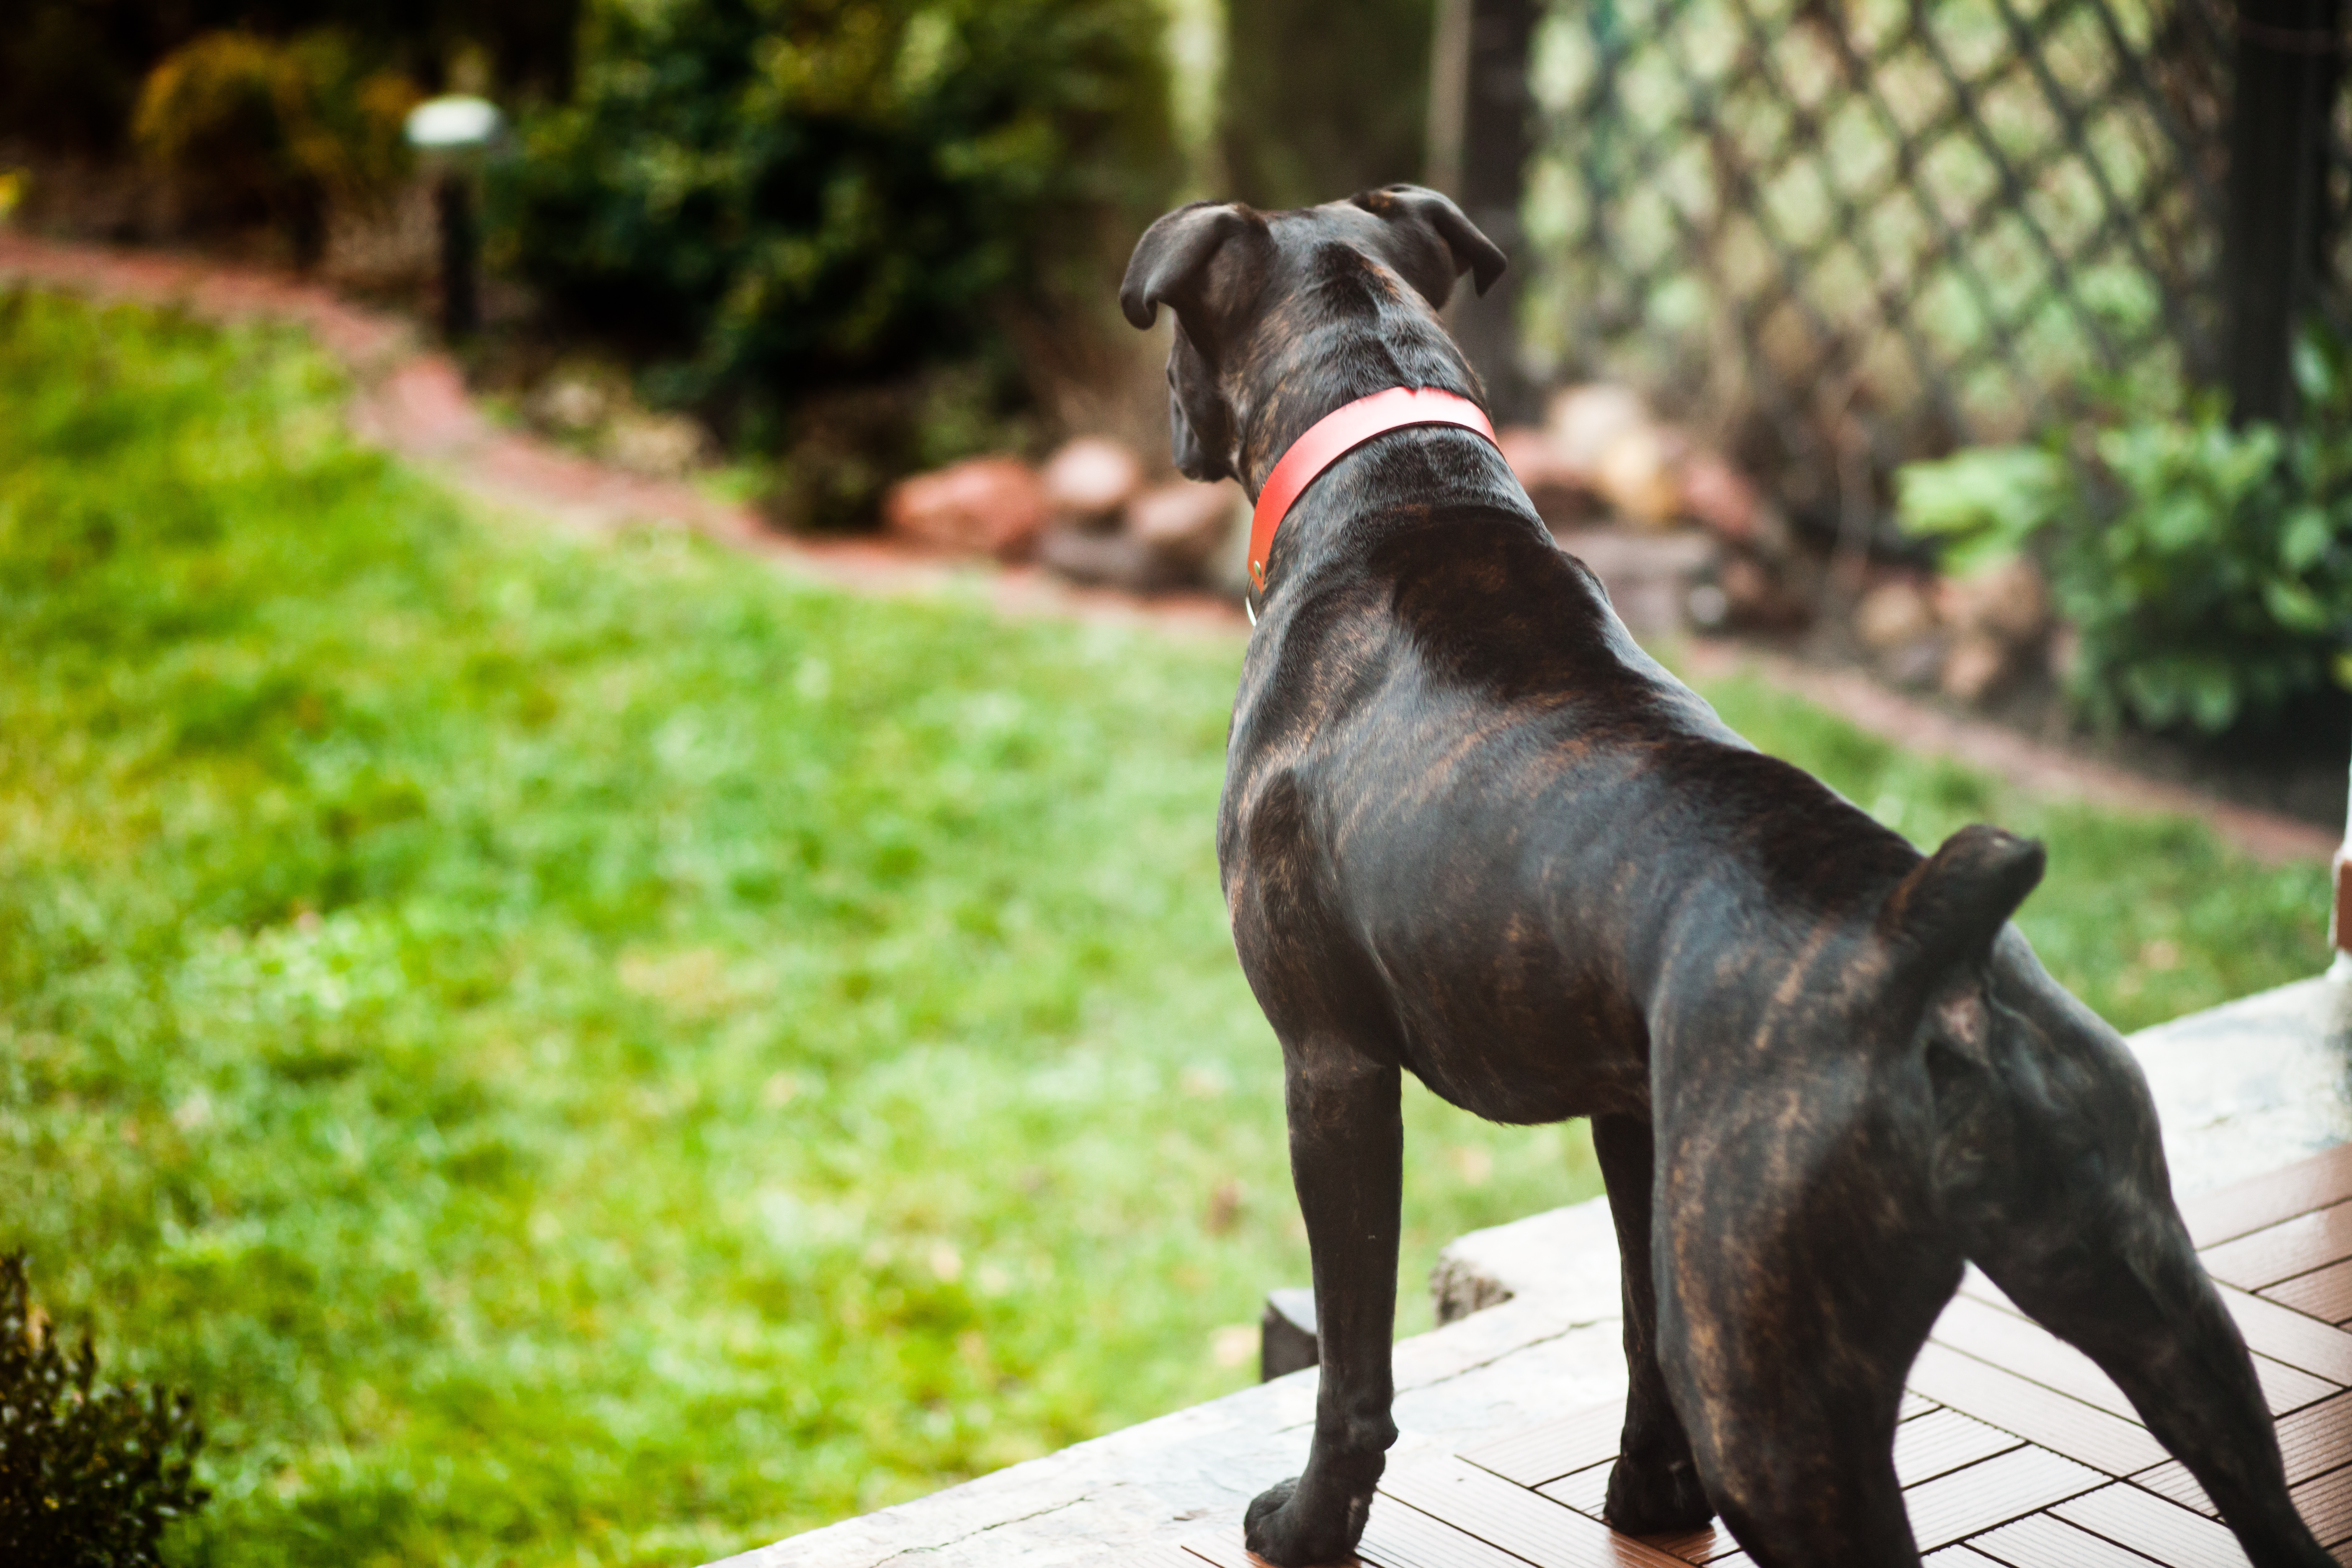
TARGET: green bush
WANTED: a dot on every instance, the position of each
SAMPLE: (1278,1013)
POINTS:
(774,194)
(90,1473)
(2207,568)
(255,128)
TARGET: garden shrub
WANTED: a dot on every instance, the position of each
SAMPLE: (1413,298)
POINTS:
(90,1473)
(773,194)
(255,128)
(2207,568)
(71,71)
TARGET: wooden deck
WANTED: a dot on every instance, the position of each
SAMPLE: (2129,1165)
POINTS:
(2014,1448)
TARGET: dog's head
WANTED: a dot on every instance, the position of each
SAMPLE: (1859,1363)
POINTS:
(1248,287)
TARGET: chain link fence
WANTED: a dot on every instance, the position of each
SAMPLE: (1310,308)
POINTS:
(1836,235)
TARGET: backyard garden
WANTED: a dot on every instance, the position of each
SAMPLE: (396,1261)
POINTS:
(585,1046)
(572,1051)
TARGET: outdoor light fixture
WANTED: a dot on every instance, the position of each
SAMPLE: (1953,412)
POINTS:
(451,134)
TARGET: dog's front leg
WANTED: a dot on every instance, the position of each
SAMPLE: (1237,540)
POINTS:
(1347,1153)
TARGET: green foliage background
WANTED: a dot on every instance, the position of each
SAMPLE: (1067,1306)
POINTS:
(771,193)
(2206,568)
(580,1050)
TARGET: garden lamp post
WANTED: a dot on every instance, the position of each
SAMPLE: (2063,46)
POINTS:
(452,134)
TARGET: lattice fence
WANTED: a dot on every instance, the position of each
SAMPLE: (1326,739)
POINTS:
(1844,232)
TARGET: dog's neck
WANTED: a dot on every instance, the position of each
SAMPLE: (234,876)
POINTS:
(1354,332)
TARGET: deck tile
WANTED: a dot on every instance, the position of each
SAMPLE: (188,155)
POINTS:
(2275,1196)
(2041,1540)
(1226,1551)
(1702,1545)
(2002,1399)
(2154,1528)
(2297,1246)
(2009,1486)
(2325,1505)
(1399,1537)
(2290,1336)
(2027,1348)
(2172,1479)
(2323,1293)
(2286,1388)
(1946,1441)
(1481,1503)
(2031,1351)
(1550,1449)
(1584,1491)
(2317,1439)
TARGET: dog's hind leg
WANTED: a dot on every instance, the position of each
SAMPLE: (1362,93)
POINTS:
(1346,1152)
(1800,1269)
(1655,1488)
(2050,1162)
(2132,1296)
(2074,1220)
(1791,1413)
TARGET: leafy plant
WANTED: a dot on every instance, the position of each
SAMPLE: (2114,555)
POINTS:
(1984,505)
(772,193)
(256,128)
(90,1474)
(2207,568)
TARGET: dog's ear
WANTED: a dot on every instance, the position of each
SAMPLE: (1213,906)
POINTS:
(1171,260)
(1952,906)
(1434,212)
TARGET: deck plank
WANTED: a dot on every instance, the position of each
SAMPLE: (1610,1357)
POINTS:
(2311,1442)
(2045,1540)
(2265,1200)
(2009,1486)
(2024,1347)
(2172,1479)
(2020,1406)
(1399,1537)
(2325,1505)
(2323,1293)
(1948,1440)
(1224,1551)
(2154,1528)
(2031,1350)
(1550,1449)
(2298,1246)
(1584,1491)
(2316,1440)
(2295,1338)
(1702,1545)
(1522,1522)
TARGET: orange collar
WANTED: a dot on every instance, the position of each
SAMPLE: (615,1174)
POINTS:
(1336,435)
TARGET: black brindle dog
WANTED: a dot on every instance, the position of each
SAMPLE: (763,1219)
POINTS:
(1470,831)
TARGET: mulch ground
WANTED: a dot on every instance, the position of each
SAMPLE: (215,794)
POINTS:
(412,400)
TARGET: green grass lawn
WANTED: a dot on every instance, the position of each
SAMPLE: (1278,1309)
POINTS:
(594,1051)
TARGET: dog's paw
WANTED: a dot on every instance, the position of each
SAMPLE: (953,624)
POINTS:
(1279,1527)
(1664,1499)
